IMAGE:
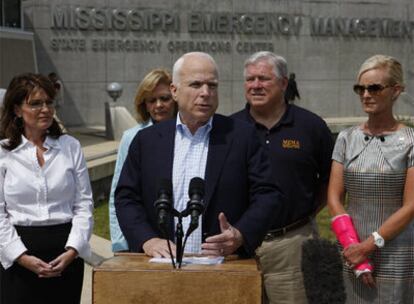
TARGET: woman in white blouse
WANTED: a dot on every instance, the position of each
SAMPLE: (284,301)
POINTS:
(45,199)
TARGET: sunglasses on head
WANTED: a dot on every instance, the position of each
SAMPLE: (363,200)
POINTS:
(372,89)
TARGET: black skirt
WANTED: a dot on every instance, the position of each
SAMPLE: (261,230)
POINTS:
(21,286)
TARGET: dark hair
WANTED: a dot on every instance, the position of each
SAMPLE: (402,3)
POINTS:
(54,79)
(52,76)
(19,89)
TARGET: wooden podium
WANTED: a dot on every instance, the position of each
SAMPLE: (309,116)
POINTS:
(130,278)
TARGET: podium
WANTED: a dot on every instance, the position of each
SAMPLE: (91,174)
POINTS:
(130,278)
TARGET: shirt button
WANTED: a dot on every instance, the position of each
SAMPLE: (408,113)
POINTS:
(267,141)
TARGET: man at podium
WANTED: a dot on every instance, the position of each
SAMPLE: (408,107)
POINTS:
(240,199)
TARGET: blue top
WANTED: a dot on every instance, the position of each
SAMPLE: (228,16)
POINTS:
(300,147)
(117,238)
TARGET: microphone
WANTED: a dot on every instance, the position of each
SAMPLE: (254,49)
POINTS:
(382,138)
(163,203)
(322,272)
(366,138)
(195,206)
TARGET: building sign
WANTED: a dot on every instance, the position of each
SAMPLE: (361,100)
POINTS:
(139,30)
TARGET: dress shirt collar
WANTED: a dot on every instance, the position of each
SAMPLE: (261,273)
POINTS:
(181,127)
(148,123)
(48,143)
(51,143)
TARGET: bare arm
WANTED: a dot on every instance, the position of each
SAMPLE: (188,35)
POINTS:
(335,200)
(336,190)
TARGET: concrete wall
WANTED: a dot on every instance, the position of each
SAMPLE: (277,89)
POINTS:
(325,65)
(17,54)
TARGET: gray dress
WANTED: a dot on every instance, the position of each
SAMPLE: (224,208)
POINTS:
(374,176)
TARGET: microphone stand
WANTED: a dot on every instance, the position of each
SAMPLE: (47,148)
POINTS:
(195,207)
(179,233)
(165,236)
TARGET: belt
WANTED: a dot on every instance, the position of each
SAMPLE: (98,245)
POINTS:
(271,234)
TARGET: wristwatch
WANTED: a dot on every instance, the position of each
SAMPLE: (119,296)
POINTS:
(378,239)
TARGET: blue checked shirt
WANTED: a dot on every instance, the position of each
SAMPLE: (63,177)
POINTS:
(190,158)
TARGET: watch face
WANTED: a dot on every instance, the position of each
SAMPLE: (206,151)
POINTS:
(378,240)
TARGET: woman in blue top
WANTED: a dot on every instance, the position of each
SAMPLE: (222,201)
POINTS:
(153,103)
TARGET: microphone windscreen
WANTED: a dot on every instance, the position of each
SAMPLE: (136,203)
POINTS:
(165,187)
(196,186)
(322,272)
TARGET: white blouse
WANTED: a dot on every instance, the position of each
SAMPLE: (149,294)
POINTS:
(57,193)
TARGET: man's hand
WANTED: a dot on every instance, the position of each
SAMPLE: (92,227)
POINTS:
(224,243)
(62,261)
(158,248)
(36,265)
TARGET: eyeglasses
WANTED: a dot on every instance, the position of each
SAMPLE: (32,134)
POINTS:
(373,89)
(38,104)
(162,98)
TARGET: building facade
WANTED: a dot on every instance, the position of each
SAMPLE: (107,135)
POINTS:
(91,43)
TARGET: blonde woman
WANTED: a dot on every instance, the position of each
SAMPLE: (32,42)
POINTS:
(153,104)
(373,164)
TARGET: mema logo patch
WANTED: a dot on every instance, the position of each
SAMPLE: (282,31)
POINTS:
(291,144)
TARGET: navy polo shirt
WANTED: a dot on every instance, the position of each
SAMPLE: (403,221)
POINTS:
(300,147)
